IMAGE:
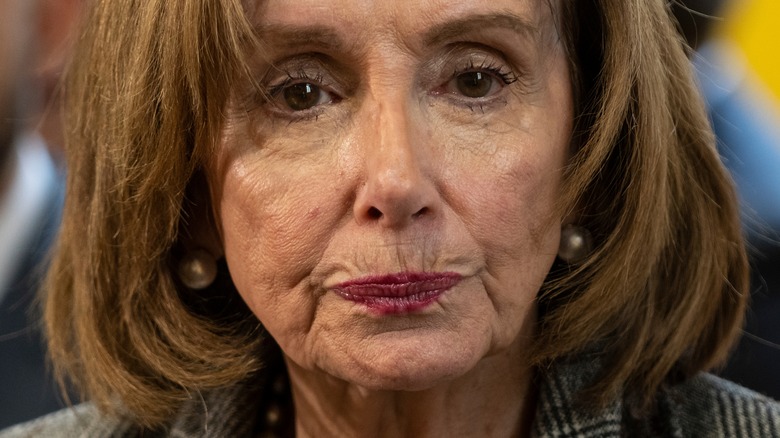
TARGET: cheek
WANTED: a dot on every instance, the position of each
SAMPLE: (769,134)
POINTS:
(512,217)
(275,228)
(507,195)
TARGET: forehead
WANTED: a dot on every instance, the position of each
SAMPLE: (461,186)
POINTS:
(416,22)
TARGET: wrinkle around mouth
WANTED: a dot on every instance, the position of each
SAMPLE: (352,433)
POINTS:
(334,274)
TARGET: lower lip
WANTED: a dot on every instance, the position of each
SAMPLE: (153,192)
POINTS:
(398,293)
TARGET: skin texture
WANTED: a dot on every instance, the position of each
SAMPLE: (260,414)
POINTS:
(395,170)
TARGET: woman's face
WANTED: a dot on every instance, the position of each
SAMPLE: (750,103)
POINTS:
(386,204)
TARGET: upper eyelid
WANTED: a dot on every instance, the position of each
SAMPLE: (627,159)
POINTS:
(469,51)
(315,64)
(451,55)
(490,65)
(299,77)
(462,58)
(279,74)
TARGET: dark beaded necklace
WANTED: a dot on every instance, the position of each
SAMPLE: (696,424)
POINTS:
(277,418)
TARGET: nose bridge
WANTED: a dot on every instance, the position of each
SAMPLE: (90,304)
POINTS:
(394,154)
(397,187)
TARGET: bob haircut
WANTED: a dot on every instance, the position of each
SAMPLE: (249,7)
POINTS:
(660,298)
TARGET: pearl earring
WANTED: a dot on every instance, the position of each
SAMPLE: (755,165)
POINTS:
(197,269)
(576,244)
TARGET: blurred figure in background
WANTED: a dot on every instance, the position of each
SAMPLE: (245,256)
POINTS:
(32,44)
(748,130)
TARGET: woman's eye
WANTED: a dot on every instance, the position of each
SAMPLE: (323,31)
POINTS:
(475,84)
(303,96)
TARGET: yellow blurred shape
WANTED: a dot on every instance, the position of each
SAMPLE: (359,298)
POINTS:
(755,26)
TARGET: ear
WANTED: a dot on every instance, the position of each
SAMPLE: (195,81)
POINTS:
(199,228)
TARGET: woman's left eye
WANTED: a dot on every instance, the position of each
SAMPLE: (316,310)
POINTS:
(474,84)
(478,80)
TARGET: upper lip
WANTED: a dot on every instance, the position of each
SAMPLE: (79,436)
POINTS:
(399,284)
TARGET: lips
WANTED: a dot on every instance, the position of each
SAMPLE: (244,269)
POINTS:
(398,293)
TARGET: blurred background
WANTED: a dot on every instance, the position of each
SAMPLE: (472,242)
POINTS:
(753,25)
(737,63)
(35,45)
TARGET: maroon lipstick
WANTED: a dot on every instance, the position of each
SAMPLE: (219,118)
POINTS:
(399,293)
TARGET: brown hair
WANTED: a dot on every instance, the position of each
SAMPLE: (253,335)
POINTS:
(666,288)
(662,294)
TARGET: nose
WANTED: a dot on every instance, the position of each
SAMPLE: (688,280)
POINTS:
(398,188)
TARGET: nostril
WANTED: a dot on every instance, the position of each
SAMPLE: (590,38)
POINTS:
(421,212)
(374,213)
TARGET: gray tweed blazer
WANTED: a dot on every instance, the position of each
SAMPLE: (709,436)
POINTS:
(705,406)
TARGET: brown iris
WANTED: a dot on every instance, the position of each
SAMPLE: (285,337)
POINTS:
(474,84)
(300,97)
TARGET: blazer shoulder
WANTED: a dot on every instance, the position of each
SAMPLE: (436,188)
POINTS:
(709,403)
(83,420)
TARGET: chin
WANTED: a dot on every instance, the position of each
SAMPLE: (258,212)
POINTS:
(409,364)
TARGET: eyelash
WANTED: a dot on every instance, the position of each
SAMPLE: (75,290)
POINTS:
(506,75)
(301,76)
(273,93)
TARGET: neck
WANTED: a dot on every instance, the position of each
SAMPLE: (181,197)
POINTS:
(495,399)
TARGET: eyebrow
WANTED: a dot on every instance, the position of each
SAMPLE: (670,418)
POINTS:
(476,23)
(286,37)
(291,37)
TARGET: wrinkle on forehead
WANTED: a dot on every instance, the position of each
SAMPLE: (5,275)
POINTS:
(329,24)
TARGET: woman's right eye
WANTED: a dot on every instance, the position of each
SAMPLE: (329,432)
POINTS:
(303,96)
(300,94)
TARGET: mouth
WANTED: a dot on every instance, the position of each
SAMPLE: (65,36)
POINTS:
(398,293)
